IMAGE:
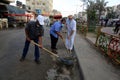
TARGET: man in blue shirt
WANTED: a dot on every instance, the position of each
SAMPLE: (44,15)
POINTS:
(55,33)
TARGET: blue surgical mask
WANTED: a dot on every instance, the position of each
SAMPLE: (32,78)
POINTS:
(62,25)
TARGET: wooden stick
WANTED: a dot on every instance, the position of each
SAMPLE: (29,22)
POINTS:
(45,49)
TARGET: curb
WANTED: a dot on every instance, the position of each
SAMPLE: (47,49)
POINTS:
(79,67)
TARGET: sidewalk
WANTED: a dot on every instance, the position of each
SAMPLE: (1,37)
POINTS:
(93,64)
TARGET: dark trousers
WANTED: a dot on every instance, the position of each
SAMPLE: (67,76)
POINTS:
(54,41)
(116,29)
(26,47)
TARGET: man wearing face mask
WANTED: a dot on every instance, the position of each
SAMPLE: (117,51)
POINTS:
(34,32)
(71,32)
(55,33)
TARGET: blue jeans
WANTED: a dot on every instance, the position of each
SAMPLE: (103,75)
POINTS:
(26,47)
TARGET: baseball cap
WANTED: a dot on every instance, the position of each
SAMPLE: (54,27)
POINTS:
(40,19)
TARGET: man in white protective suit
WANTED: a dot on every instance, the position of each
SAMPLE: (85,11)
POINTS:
(71,32)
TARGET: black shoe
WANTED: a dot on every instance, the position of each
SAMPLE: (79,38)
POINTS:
(54,51)
(22,59)
(37,62)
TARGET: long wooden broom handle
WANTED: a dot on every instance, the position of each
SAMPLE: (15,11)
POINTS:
(45,49)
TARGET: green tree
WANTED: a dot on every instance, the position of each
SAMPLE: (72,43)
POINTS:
(110,13)
(91,12)
(100,6)
(91,15)
(94,6)
(97,5)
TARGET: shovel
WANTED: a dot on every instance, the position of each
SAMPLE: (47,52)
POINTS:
(62,60)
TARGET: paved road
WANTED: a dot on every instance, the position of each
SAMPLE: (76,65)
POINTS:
(11,45)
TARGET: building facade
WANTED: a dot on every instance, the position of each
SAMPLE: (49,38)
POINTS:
(115,9)
(41,6)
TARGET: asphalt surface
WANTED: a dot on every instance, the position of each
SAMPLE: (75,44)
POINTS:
(11,46)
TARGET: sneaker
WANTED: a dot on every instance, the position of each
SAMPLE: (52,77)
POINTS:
(37,62)
(22,59)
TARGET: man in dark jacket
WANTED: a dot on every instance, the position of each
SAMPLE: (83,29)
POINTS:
(34,32)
